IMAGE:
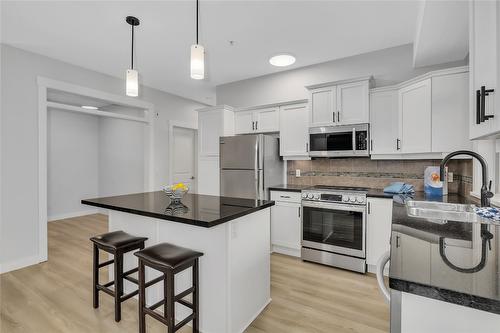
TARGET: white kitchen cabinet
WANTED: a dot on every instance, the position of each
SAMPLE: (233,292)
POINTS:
(378,230)
(294,131)
(243,122)
(450,110)
(384,121)
(352,103)
(213,122)
(323,103)
(415,117)
(339,103)
(484,50)
(286,223)
(263,120)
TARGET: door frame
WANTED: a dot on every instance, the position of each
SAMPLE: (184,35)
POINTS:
(44,84)
(181,124)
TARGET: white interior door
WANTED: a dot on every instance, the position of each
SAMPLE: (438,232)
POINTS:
(184,157)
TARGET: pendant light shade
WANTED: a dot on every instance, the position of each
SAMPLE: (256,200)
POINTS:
(197,54)
(132,76)
(132,86)
(197,62)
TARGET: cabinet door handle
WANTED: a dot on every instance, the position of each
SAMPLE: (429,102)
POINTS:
(253,125)
(397,242)
(371,144)
(369,208)
(478,107)
(484,92)
(307,147)
(397,144)
(333,113)
(285,196)
(338,116)
(256,125)
(299,212)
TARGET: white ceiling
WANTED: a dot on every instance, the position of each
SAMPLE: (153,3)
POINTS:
(94,35)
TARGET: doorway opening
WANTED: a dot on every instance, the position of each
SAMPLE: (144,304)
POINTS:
(183,155)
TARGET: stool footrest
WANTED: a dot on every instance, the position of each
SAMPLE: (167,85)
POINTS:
(107,284)
(106,263)
(131,279)
(156,316)
(186,303)
(130,295)
(131,271)
(106,290)
(150,283)
(183,294)
(156,305)
(184,321)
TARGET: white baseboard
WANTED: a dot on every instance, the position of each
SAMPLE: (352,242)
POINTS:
(74,214)
(18,264)
(286,250)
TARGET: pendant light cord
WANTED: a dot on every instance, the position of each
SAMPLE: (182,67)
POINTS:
(132,57)
(197,10)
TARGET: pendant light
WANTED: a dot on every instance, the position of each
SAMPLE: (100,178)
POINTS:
(132,85)
(197,54)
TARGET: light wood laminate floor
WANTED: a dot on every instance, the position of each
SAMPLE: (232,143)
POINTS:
(55,296)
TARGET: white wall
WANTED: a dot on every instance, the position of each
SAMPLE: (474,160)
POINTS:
(72,158)
(387,66)
(121,156)
(19,140)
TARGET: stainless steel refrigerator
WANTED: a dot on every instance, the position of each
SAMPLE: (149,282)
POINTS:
(249,165)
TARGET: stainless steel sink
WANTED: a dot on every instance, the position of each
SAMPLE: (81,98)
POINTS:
(441,212)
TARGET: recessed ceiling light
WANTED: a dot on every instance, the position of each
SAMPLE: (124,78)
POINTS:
(89,107)
(282,60)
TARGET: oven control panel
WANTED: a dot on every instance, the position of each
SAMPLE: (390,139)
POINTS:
(348,198)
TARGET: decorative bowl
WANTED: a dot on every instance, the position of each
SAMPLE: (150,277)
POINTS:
(175,193)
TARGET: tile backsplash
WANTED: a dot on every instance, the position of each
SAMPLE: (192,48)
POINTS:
(365,172)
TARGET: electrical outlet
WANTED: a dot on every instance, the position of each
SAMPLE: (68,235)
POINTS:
(297,173)
(450,177)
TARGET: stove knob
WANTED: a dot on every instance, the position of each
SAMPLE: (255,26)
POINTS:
(345,198)
(316,196)
(310,196)
(352,199)
(360,199)
(304,195)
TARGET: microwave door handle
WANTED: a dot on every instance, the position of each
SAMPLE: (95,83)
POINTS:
(354,140)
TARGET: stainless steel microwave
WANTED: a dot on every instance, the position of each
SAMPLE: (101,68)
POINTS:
(339,141)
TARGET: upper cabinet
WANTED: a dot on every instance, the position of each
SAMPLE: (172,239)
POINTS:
(423,117)
(294,131)
(415,118)
(263,120)
(384,121)
(484,51)
(340,103)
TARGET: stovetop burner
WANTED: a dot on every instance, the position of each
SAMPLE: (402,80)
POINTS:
(340,188)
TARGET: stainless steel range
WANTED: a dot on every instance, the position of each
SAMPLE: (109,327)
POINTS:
(334,226)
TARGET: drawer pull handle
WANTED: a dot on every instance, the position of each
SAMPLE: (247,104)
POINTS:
(285,196)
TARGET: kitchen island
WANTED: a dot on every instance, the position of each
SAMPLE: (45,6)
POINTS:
(233,234)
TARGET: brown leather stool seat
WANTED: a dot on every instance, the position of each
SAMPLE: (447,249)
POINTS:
(169,259)
(116,243)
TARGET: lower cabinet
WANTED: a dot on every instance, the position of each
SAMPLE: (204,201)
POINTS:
(378,230)
(286,223)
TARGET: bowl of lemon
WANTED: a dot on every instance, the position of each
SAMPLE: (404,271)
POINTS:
(176,191)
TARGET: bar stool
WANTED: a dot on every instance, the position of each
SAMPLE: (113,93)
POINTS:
(116,243)
(170,260)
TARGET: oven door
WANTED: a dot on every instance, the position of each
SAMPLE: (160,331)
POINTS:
(338,228)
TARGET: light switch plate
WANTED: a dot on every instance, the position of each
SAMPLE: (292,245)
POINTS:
(297,173)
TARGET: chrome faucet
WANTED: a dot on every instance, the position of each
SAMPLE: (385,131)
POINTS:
(485,191)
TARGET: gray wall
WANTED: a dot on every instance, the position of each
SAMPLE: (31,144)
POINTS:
(72,159)
(387,66)
(19,140)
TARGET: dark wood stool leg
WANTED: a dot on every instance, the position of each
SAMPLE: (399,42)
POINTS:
(196,298)
(170,294)
(95,279)
(142,298)
(118,285)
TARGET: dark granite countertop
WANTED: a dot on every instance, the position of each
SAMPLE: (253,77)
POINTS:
(195,209)
(289,188)
(456,262)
